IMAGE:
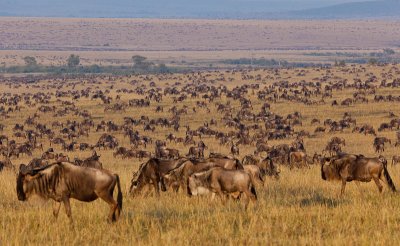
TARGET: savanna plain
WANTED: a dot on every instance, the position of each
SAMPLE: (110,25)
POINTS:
(297,209)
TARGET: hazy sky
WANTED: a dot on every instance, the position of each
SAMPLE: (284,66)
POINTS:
(154,8)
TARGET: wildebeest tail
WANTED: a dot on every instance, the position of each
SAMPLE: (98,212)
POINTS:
(388,178)
(119,195)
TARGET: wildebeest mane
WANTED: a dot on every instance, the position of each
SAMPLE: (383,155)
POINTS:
(42,185)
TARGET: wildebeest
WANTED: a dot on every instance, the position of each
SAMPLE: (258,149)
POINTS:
(379,144)
(298,158)
(151,173)
(225,161)
(255,172)
(395,160)
(347,168)
(6,164)
(234,150)
(224,183)
(93,161)
(62,181)
(197,152)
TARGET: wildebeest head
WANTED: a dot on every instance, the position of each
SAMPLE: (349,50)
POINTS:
(268,167)
(197,184)
(328,169)
(95,156)
(24,177)
(133,187)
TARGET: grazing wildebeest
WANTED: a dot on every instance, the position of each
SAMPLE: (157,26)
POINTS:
(93,161)
(152,172)
(347,167)
(178,177)
(224,183)
(62,181)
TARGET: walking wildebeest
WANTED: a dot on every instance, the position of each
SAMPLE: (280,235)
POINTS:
(224,183)
(63,180)
(347,168)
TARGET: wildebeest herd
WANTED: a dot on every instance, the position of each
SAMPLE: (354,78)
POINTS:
(221,133)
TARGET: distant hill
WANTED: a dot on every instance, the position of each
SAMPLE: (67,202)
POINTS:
(370,9)
(223,9)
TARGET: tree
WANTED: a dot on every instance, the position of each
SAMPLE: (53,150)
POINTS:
(389,51)
(138,59)
(30,61)
(140,63)
(162,68)
(372,61)
(73,60)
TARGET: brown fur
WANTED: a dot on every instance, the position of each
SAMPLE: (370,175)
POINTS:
(62,181)
(224,182)
(347,168)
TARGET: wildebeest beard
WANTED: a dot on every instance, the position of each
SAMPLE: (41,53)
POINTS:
(20,187)
(322,172)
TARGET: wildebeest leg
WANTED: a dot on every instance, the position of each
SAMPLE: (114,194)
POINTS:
(212,196)
(222,196)
(156,187)
(56,209)
(67,206)
(113,206)
(145,190)
(343,187)
(246,200)
(291,164)
(359,188)
(380,187)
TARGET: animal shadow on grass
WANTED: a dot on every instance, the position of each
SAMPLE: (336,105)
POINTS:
(320,199)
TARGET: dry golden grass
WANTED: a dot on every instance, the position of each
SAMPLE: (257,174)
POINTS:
(299,209)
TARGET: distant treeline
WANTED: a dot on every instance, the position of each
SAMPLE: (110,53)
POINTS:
(72,66)
(92,69)
(262,62)
(385,53)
